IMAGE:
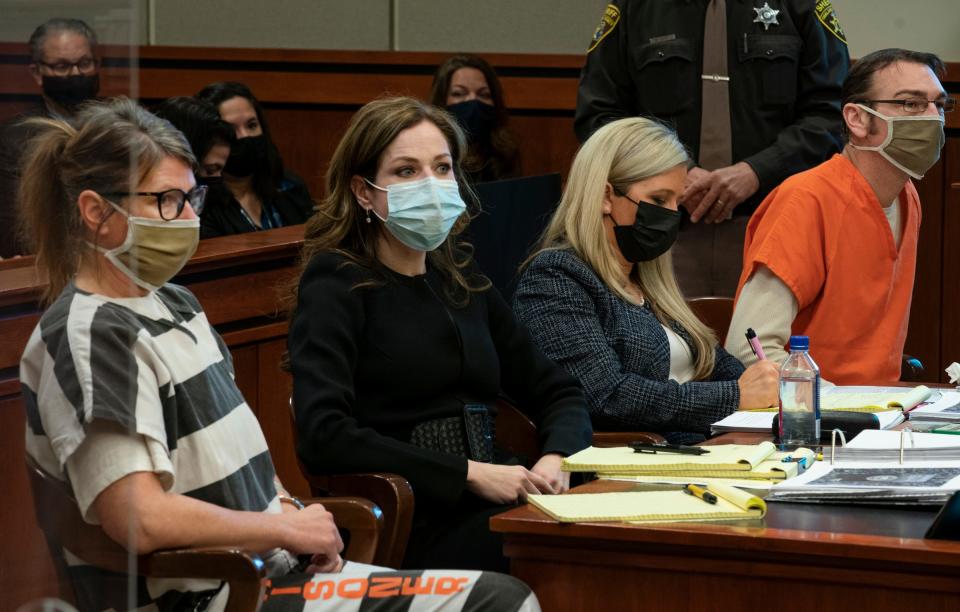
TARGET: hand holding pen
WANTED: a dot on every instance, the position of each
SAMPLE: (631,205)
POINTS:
(760,383)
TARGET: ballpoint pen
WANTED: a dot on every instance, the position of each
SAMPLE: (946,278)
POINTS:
(643,447)
(754,343)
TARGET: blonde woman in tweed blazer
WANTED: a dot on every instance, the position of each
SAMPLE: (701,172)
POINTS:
(600,298)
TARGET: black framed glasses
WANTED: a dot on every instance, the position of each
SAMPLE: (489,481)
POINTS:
(918,105)
(170,203)
(86,65)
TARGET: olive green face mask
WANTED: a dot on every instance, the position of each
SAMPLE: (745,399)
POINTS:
(912,144)
(154,250)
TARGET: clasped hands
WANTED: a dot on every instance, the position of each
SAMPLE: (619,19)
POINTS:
(712,195)
(508,484)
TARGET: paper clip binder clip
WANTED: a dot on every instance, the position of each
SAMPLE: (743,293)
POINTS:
(833,443)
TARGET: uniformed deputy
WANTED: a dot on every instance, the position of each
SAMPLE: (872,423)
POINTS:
(752,88)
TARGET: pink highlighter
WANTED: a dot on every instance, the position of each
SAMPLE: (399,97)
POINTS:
(754,343)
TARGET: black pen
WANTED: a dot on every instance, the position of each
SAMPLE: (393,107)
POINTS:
(643,447)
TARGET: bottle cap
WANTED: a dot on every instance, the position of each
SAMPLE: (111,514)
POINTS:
(799,343)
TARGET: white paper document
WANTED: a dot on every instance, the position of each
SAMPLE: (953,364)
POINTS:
(946,408)
(876,445)
(920,482)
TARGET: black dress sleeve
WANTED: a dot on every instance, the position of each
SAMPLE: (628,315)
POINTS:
(541,388)
(324,351)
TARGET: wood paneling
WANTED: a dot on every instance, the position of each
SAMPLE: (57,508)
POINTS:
(26,571)
(950,305)
(923,337)
(309,96)
(274,400)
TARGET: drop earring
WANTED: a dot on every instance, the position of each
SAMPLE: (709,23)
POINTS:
(368,215)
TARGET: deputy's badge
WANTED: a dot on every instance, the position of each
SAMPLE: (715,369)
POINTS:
(766,15)
(828,17)
(611,17)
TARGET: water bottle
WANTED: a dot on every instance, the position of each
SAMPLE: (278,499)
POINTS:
(799,397)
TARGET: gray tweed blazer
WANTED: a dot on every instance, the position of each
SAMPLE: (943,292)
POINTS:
(618,351)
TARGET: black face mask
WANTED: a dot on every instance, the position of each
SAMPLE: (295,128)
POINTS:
(651,235)
(246,156)
(477,118)
(70,91)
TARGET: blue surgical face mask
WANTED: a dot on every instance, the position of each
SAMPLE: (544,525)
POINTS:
(421,213)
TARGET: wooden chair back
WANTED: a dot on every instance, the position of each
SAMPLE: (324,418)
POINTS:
(59,518)
(715,312)
(390,492)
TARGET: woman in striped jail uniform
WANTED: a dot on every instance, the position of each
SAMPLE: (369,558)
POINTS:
(130,394)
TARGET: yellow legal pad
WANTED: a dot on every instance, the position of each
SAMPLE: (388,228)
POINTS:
(867,401)
(650,506)
(771,469)
(623,459)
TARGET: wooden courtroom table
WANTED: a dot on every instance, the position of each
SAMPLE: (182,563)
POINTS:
(798,557)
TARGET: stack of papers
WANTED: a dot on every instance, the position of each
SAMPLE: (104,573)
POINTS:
(743,461)
(945,409)
(884,446)
(888,403)
(650,506)
(762,421)
(861,482)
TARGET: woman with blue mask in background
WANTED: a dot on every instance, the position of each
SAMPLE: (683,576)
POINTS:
(468,87)
(265,195)
(399,346)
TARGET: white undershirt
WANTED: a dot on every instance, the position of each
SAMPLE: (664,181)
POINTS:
(681,359)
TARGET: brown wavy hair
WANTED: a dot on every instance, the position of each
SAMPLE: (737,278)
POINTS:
(339,225)
(498,156)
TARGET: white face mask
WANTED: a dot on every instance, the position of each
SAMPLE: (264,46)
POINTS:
(420,214)
(154,250)
(912,144)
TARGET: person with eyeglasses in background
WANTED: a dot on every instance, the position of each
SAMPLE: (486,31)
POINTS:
(65,67)
(831,253)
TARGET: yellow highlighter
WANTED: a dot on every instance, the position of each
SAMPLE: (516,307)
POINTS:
(701,492)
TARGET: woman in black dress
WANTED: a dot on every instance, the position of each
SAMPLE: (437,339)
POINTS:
(399,346)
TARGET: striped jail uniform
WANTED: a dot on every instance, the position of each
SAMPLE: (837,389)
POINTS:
(148,385)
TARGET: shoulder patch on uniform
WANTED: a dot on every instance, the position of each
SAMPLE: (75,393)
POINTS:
(828,17)
(610,19)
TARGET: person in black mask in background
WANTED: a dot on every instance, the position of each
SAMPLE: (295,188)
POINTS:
(263,195)
(469,89)
(65,67)
(210,137)
(600,297)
